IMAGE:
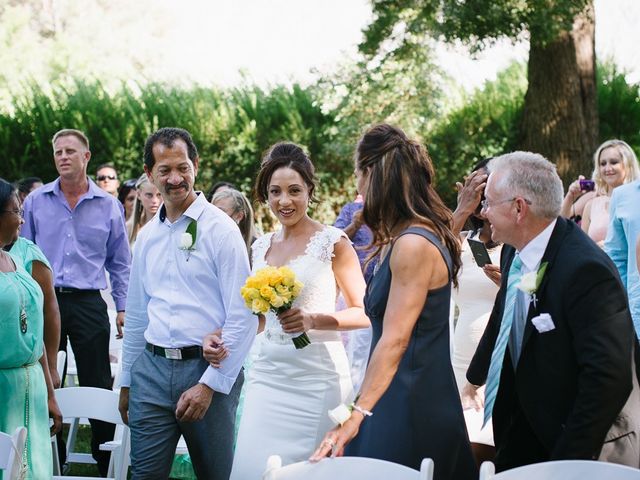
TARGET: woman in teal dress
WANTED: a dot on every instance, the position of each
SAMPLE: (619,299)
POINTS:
(26,393)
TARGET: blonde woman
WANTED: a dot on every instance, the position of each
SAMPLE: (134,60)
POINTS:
(147,202)
(614,164)
(237,206)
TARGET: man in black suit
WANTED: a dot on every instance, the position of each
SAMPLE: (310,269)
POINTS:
(563,384)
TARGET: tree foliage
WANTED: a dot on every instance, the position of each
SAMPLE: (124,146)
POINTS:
(477,23)
(232,128)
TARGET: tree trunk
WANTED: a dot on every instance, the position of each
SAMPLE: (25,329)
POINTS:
(560,118)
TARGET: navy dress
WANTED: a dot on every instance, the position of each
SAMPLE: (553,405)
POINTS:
(420,415)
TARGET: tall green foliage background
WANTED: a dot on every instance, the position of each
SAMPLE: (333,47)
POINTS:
(233,127)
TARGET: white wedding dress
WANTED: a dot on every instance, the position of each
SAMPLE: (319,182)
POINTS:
(474,298)
(289,391)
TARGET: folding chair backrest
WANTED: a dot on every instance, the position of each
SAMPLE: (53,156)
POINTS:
(346,468)
(89,402)
(563,470)
(11,448)
(62,358)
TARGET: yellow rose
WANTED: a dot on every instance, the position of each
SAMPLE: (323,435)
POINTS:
(288,277)
(275,278)
(277,301)
(267,292)
(297,287)
(284,292)
(258,305)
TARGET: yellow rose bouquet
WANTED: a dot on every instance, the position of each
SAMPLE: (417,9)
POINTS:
(273,289)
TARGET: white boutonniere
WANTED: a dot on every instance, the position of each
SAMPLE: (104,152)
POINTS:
(530,282)
(188,238)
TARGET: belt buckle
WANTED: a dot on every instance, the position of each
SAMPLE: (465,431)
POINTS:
(173,353)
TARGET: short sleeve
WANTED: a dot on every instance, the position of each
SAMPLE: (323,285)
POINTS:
(25,251)
(322,244)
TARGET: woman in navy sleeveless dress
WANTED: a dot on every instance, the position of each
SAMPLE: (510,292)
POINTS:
(409,388)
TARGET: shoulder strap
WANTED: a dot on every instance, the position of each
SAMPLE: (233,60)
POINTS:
(433,238)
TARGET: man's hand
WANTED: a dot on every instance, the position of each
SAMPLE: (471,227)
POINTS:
(119,324)
(472,396)
(123,404)
(194,403)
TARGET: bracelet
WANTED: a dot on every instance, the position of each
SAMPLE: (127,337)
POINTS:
(366,413)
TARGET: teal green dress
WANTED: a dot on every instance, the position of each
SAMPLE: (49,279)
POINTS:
(25,251)
(23,391)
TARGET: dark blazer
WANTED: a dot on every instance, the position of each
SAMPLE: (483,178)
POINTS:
(575,386)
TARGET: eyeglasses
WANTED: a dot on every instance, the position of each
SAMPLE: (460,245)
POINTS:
(486,204)
(102,178)
(130,183)
(19,212)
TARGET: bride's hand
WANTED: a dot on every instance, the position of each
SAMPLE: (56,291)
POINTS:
(295,320)
(213,349)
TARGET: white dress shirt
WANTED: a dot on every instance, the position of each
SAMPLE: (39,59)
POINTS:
(531,256)
(176,297)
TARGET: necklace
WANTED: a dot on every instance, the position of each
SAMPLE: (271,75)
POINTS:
(23,311)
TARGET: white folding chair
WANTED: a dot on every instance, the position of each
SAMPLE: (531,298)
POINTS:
(346,468)
(11,449)
(562,470)
(98,404)
(62,357)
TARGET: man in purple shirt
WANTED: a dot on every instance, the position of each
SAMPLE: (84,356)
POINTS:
(81,230)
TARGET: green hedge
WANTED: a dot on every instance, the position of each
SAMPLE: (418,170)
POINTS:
(233,127)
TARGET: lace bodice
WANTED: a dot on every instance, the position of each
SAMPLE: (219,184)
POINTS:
(314,269)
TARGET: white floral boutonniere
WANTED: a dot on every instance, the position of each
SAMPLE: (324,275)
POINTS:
(188,238)
(530,282)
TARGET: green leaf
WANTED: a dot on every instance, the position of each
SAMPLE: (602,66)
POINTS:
(192,229)
(540,275)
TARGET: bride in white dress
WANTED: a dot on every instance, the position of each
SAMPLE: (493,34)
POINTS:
(289,391)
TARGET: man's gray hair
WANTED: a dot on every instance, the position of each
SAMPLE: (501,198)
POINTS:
(533,177)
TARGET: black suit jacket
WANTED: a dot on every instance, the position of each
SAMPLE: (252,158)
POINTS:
(571,383)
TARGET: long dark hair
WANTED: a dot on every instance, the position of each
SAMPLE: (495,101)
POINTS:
(7,190)
(400,189)
(289,155)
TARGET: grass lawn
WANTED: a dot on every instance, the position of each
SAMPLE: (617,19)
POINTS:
(83,445)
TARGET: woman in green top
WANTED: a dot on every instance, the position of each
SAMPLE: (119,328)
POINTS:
(26,392)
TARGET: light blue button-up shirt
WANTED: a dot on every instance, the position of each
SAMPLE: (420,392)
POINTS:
(620,244)
(82,242)
(176,297)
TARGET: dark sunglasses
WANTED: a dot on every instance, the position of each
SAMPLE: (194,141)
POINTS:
(102,178)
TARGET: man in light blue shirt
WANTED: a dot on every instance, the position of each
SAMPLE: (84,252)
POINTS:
(620,244)
(189,264)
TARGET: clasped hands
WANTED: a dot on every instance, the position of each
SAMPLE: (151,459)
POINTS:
(293,320)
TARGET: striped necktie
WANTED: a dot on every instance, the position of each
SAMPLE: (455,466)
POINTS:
(497,357)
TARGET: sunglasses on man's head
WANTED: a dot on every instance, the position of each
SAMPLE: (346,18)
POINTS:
(102,178)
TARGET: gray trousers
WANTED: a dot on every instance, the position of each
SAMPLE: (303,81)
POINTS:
(156,386)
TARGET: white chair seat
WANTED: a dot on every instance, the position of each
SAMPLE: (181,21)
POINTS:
(346,468)
(562,470)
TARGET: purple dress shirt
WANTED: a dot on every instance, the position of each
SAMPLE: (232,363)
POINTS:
(362,238)
(82,242)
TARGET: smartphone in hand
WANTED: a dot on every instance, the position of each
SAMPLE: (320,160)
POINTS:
(479,251)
